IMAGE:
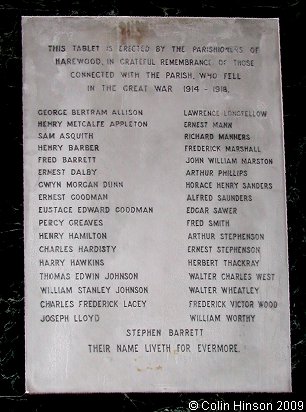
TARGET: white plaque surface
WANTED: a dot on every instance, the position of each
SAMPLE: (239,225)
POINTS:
(154,198)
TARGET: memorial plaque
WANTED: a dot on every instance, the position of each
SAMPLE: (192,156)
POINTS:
(155,211)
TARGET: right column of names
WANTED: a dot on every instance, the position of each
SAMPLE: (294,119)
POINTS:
(229,167)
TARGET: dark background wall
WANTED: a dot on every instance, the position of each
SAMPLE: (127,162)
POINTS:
(293,39)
